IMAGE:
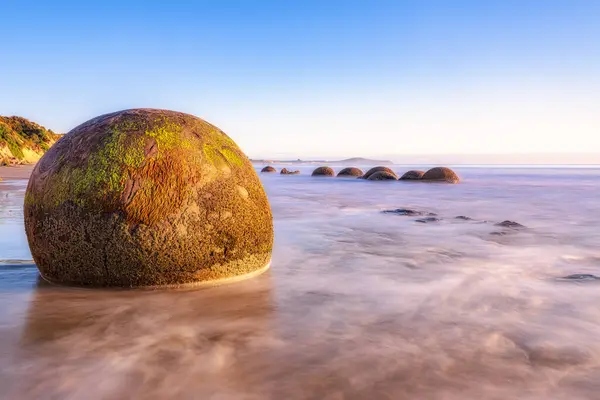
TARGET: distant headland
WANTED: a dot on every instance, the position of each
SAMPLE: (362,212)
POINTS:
(23,141)
(347,161)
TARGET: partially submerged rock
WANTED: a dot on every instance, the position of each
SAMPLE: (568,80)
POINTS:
(285,171)
(428,220)
(268,169)
(383,176)
(409,212)
(323,171)
(350,172)
(580,277)
(413,175)
(440,174)
(510,224)
(378,169)
(147,197)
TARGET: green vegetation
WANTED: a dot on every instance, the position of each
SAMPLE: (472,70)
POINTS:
(23,141)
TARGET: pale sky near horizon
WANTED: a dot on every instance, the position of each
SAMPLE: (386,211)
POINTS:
(316,78)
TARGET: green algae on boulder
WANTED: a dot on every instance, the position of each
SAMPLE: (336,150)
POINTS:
(323,171)
(268,169)
(350,172)
(440,174)
(378,169)
(413,175)
(147,197)
(383,176)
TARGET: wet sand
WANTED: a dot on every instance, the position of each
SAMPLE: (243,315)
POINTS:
(358,304)
(16,172)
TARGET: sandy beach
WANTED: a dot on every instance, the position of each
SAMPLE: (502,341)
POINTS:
(16,172)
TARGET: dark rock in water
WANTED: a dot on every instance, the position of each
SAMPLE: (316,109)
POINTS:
(440,174)
(378,169)
(413,175)
(409,212)
(147,197)
(428,219)
(285,171)
(510,224)
(268,169)
(323,171)
(350,172)
(383,176)
(581,277)
(464,218)
(499,233)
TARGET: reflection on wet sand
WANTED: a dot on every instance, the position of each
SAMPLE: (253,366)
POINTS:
(145,344)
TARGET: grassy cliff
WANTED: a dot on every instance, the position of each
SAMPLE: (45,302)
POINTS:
(23,141)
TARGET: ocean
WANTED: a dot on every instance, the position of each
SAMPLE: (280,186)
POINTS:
(358,303)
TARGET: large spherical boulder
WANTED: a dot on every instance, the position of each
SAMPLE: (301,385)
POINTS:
(147,197)
(413,175)
(378,169)
(383,176)
(268,169)
(323,171)
(350,172)
(440,174)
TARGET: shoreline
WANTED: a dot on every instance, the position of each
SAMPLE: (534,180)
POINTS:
(16,172)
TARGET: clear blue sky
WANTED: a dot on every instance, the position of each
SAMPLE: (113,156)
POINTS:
(318,78)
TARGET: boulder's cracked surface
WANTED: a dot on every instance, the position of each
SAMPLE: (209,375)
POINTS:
(146,197)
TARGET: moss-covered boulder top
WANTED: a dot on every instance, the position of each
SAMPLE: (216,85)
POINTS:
(146,197)
(23,141)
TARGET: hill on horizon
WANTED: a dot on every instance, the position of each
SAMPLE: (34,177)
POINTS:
(353,161)
(23,141)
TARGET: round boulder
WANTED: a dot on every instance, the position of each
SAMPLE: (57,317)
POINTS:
(285,171)
(350,172)
(378,169)
(413,175)
(323,171)
(147,197)
(268,169)
(440,174)
(383,176)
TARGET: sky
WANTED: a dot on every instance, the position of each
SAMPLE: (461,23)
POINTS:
(314,79)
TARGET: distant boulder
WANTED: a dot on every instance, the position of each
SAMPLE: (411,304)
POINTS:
(440,174)
(383,176)
(323,171)
(268,169)
(379,169)
(346,172)
(285,171)
(413,175)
